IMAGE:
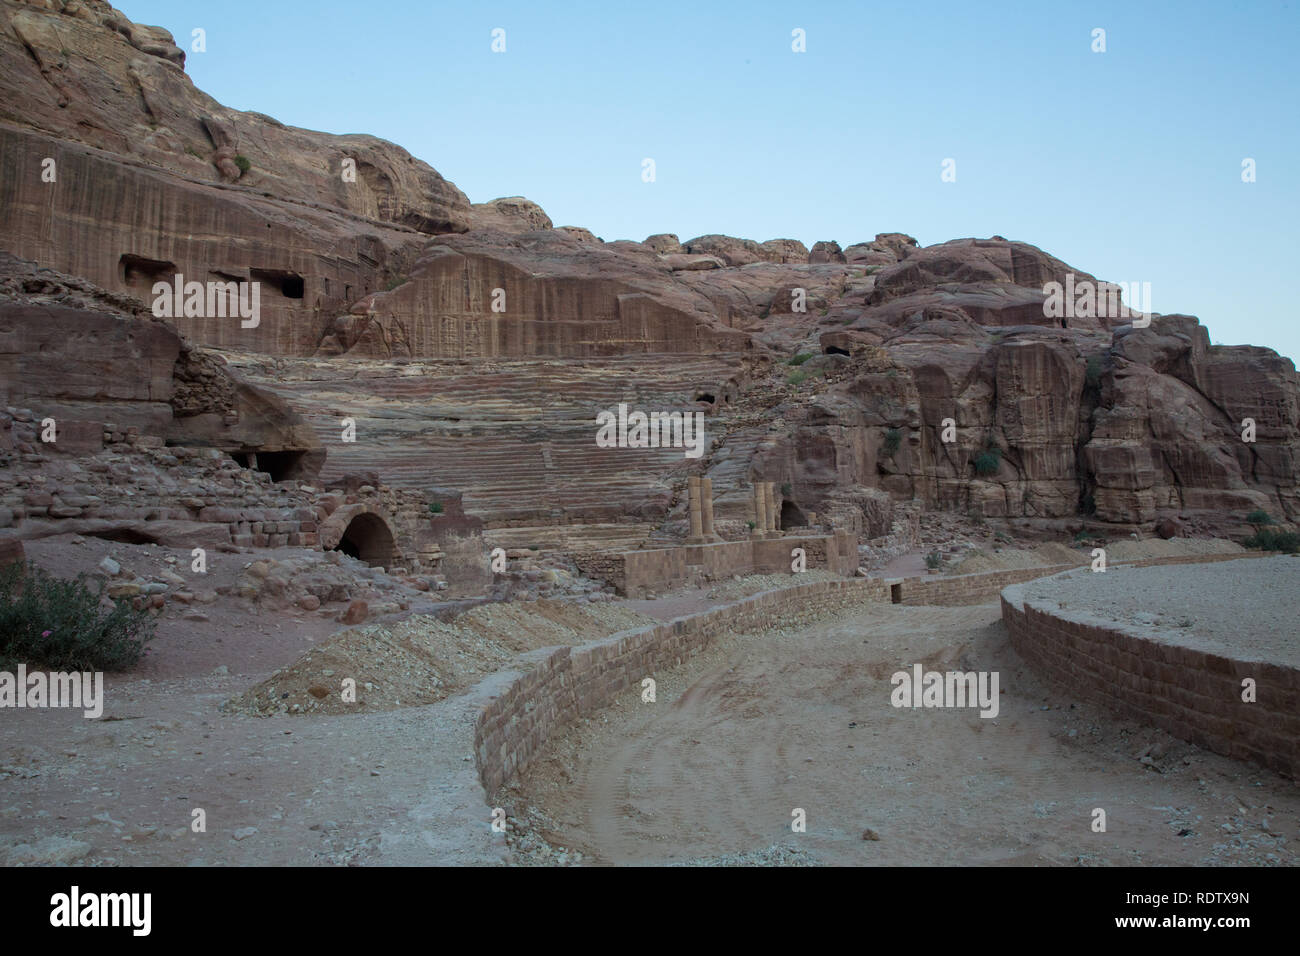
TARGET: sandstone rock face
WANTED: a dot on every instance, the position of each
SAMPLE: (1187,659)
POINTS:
(94,78)
(732,251)
(886,249)
(664,243)
(826,252)
(579,234)
(140,155)
(98,364)
(558,296)
(510,214)
(472,347)
(784,250)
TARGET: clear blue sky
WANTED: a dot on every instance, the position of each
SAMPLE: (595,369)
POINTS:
(1126,164)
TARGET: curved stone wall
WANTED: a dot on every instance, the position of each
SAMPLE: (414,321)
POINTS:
(1194,695)
(519,709)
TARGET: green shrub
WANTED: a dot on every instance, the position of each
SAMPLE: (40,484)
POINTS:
(435,507)
(61,624)
(243,163)
(988,461)
(796,378)
(786,489)
(752,525)
(394,282)
(798,359)
(1259,516)
(1267,539)
(893,439)
(933,560)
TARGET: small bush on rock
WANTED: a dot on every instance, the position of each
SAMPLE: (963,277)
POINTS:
(1267,539)
(62,625)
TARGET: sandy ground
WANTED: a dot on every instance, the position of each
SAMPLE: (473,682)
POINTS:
(760,725)
(757,726)
(392,788)
(1193,605)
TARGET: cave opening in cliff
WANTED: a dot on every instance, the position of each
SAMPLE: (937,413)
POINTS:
(139,272)
(705,397)
(288,284)
(368,539)
(792,516)
(835,350)
(280,465)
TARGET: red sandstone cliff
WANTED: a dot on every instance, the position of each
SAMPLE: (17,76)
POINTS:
(381,303)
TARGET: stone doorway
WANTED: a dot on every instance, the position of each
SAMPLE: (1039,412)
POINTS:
(368,538)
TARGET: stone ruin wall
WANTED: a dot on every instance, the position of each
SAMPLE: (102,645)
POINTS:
(521,710)
(1194,695)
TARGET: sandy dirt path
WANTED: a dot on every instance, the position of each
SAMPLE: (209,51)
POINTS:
(760,725)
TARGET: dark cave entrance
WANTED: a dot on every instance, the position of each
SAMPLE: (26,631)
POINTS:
(141,273)
(288,284)
(278,464)
(368,539)
(792,516)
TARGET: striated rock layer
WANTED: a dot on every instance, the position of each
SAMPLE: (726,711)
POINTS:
(472,346)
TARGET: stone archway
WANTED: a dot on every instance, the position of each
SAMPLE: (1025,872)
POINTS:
(361,533)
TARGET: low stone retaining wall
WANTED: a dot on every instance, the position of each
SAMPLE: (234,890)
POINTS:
(1194,695)
(969,588)
(520,709)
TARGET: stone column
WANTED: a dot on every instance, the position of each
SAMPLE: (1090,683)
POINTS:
(760,509)
(773,512)
(693,496)
(706,508)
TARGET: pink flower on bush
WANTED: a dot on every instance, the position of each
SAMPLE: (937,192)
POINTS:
(46,633)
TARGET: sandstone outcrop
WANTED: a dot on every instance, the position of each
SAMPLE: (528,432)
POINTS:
(510,214)
(472,346)
(98,365)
